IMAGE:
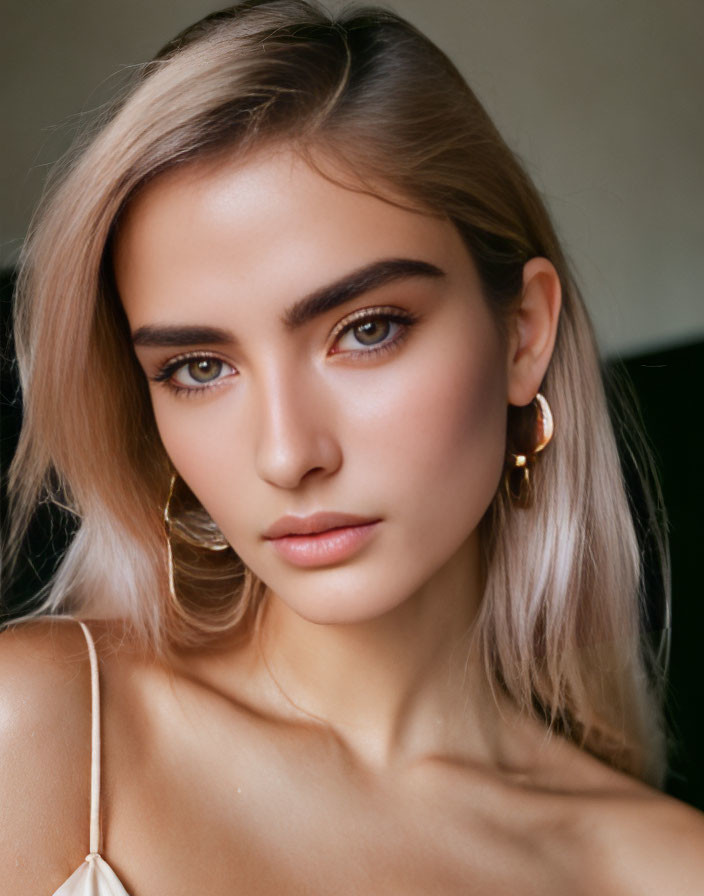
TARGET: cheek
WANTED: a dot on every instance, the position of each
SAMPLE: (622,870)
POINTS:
(205,453)
(470,435)
(422,441)
(447,453)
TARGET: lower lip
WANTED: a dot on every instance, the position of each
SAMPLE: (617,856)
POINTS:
(324,548)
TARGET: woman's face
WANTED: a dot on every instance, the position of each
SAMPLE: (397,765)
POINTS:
(310,348)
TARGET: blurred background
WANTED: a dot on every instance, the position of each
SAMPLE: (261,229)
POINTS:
(602,101)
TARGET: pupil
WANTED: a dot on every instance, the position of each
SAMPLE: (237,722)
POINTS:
(204,370)
(369,329)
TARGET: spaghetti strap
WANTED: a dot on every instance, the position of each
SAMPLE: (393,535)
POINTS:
(94,876)
(94,744)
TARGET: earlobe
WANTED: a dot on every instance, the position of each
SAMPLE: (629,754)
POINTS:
(534,330)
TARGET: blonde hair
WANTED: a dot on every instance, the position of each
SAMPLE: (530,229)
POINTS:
(561,625)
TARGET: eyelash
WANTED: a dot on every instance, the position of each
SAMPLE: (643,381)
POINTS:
(404,318)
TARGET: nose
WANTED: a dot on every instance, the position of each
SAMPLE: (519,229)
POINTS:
(295,433)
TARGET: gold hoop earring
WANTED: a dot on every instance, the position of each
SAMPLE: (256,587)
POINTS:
(203,533)
(517,478)
(194,526)
(167,533)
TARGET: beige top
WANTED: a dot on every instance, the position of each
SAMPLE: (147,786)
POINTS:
(94,877)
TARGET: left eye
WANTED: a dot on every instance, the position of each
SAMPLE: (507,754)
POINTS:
(200,372)
(370,332)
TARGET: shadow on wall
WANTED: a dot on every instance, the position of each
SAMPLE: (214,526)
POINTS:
(664,383)
(667,386)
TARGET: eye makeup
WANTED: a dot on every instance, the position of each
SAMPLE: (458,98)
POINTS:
(399,324)
(166,372)
(403,320)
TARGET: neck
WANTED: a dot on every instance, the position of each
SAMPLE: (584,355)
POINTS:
(395,688)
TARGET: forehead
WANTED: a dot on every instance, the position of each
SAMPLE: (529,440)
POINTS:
(266,227)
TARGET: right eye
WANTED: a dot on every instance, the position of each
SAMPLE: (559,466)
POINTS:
(199,372)
(194,373)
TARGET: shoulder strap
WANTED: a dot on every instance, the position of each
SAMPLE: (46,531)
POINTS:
(94,745)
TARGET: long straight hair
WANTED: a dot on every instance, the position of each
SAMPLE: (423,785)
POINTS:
(561,626)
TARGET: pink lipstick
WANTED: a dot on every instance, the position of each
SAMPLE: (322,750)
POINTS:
(321,539)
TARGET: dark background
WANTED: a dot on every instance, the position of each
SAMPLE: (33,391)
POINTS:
(668,387)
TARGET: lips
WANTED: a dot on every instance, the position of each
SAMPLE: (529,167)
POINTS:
(321,540)
(317,522)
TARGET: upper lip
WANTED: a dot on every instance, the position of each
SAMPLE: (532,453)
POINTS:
(317,522)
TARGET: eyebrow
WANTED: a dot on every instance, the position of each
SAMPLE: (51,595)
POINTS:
(319,302)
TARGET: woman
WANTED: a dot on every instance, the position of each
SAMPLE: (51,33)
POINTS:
(302,354)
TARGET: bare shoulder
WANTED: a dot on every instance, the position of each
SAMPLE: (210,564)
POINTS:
(45,724)
(43,677)
(629,839)
(649,842)
(609,832)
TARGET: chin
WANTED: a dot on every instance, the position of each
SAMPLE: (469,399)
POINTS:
(336,604)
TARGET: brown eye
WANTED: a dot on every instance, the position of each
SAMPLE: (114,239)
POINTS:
(198,372)
(372,331)
(204,369)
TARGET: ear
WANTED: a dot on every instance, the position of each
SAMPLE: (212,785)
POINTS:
(533,329)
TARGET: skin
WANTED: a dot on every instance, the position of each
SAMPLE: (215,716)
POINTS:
(295,423)
(353,748)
